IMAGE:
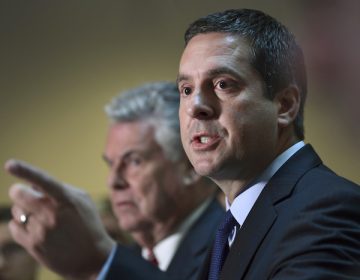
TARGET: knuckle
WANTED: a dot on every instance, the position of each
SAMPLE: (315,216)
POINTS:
(16,191)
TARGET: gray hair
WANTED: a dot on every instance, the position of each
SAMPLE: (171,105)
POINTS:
(156,103)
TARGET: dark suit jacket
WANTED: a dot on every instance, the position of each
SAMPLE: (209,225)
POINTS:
(304,225)
(188,259)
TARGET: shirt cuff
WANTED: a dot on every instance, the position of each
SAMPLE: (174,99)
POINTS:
(106,266)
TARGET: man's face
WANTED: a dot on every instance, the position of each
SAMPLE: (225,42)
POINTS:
(228,126)
(15,262)
(143,182)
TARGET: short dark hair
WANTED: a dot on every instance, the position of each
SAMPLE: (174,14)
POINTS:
(276,55)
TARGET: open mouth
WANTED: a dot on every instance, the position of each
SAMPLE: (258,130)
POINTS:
(121,204)
(204,141)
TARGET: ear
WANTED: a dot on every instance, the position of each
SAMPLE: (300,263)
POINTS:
(288,101)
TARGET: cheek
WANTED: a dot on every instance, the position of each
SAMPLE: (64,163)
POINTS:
(182,134)
(184,120)
(235,123)
(160,192)
(185,144)
(247,126)
(145,191)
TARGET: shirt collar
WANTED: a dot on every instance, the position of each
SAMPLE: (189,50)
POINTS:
(165,250)
(242,204)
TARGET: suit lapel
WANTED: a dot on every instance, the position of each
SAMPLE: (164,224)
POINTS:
(194,247)
(248,239)
(263,215)
(204,272)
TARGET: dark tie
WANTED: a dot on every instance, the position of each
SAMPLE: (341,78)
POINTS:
(152,259)
(221,246)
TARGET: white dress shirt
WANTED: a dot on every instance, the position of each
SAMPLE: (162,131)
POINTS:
(242,204)
(165,250)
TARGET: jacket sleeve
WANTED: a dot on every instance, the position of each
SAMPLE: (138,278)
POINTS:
(327,237)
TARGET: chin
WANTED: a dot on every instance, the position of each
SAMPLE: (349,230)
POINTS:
(205,169)
(129,226)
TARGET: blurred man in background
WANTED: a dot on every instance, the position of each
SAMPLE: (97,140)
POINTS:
(169,210)
(15,262)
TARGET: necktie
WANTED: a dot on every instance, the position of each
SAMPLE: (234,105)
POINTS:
(221,246)
(151,258)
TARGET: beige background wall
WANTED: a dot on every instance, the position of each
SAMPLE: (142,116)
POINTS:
(61,61)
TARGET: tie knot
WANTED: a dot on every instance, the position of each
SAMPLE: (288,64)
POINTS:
(229,222)
(151,257)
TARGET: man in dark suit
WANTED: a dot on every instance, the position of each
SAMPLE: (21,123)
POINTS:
(243,87)
(170,211)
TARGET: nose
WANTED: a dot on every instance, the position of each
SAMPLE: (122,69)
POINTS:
(202,106)
(116,180)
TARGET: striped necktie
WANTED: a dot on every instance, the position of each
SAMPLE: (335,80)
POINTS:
(221,246)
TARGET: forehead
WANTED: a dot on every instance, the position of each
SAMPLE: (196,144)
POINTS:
(131,130)
(211,50)
(131,136)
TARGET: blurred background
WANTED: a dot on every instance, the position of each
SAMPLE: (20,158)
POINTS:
(62,61)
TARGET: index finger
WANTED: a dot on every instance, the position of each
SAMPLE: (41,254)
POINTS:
(39,178)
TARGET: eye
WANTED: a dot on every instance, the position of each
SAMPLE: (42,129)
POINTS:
(221,84)
(187,90)
(133,165)
(227,85)
(133,160)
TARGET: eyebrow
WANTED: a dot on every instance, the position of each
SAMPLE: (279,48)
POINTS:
(212,73)
(105,158)
(122,157)
(224,70)
(181,78)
